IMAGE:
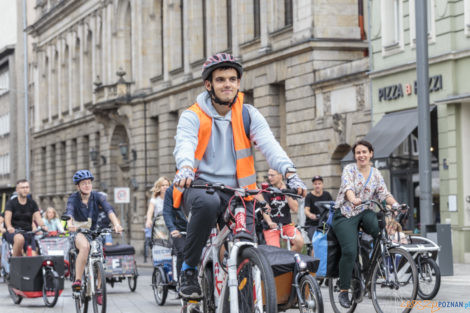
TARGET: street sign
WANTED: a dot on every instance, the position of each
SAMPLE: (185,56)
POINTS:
(122,195)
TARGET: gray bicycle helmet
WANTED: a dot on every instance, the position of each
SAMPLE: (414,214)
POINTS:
(220,60)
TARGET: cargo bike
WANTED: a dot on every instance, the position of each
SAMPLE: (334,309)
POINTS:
(36,276)
(120,264)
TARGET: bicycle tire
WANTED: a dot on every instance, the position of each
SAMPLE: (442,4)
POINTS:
(160,286)
(311,296)
(81,299)
(333,291)
(251,262)
(429,275)
(132,282)
(402,285)
(72,266)
(207,287)
(16,298)
(50,288)
(98,271)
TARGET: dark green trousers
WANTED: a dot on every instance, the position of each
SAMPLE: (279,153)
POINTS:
(346,230)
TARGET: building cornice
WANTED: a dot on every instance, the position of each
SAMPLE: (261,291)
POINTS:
(63,8)
(63,126)
(449,56)
(274,56)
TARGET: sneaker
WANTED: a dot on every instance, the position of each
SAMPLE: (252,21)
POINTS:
(344,299)
(99,299)
(189,285)
(77,285)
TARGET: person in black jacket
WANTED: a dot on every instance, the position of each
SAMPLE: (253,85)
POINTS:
(176,222)
(312,212)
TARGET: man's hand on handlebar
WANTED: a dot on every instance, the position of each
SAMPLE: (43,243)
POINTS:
(118,229)
(294,182)
(272,225)
(184,177)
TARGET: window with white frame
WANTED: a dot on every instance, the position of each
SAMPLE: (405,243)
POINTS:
(392,24)
(467,17)
(4,81)
(4,164)
(4,124)
(431,25)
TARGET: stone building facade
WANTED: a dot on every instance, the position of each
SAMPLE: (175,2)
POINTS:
(114,76)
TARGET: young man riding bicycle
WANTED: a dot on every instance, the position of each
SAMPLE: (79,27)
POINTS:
(213,144)
(279,213)
(84,207)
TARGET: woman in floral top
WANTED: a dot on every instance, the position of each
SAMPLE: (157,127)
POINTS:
(359,182)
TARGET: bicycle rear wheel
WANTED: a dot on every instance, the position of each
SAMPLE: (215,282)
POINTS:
(256,286)
(311,294)
(334,289)
(159,285)
(394,282)
(100,289)
(50,288)
(429,278)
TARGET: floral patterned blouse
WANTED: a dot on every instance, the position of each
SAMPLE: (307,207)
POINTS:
(352,179)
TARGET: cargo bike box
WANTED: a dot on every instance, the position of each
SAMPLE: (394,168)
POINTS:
(282,262)
(26,272)
(120,264)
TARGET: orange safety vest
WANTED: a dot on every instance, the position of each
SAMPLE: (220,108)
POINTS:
(246,174)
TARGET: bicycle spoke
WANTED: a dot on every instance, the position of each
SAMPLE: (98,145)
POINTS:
(394,281)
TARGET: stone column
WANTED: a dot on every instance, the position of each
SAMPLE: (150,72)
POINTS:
(167,126)
(82,153)
(235,27)
(264,37)
(60,167)
(186,44)
(50,183)
(70,165)
(303,11)
(95,166)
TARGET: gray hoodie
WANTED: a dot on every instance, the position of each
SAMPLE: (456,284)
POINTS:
(218,164)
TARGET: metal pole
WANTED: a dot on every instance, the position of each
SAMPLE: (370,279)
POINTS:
(26,93)
(424,118)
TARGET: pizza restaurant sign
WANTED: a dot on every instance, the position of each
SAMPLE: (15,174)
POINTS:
(397,91)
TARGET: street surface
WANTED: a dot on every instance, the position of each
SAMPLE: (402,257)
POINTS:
(120,299)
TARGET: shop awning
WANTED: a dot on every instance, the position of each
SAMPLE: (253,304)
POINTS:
(389,133)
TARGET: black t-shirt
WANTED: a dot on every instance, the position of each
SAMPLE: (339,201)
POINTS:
(310,199)
(22,215)
(280,211)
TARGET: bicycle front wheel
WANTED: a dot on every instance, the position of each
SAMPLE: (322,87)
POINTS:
(394,282)
(429,278)
(50,287)
(99,298)
(256,285)
(311,294)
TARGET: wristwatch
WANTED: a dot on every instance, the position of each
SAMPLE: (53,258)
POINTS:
(291,169)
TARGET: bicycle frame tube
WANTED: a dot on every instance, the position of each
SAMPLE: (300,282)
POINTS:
(232,281)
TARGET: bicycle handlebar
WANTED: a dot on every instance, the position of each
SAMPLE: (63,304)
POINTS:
(211,187)
(382,208)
